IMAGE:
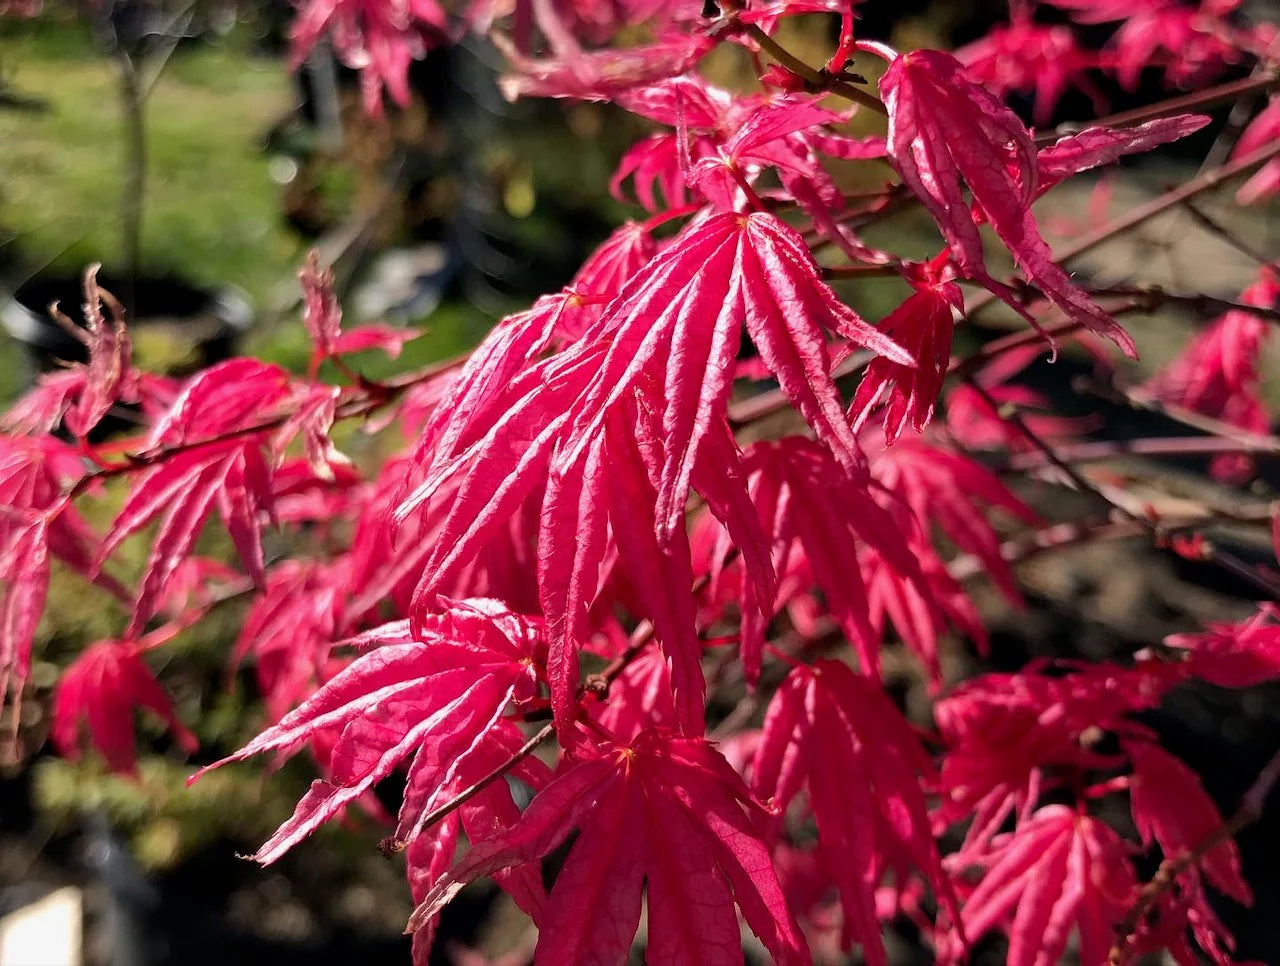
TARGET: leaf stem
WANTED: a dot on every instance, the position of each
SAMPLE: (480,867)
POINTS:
(818,79)
(390,846)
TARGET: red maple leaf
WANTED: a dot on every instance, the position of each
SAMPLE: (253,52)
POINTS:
(1191,44)
(1097,146)
(290,629)
(1026,58)
(1219,374)
(920,612)
(948,489)
(1003,731)
(1171,808)
(1262,130)
(322,315)
(379,39)
(79,396)
(617,422)
(805,502)
(24,587)
(662,810)
(599,75)
(1239,655)
(230,471)
(435,696)
(837,734)
(1061,871)
(945,132)
(105,685)
(923,326)
(36,521)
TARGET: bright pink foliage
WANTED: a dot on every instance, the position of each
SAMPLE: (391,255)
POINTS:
(104,687)
(665,811)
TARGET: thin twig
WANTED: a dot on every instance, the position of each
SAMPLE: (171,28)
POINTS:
(819,80)
(1027,545)
(1146,401)
(1205,305)
(391,845)
(1237,120)
(1198,101)
(1095,451)
(1159,530)
(1231,238)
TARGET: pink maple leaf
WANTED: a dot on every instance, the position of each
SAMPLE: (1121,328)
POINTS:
(1026,57)
(662,811)
(82,394)
(654,165)
(1171,808)
(624,414)
(948,489)
(1239,655)
(945,132)
(322,315)
(1192,45)
(759,139)
(837,734)
(613,263)
(215,463)
(1097,146)
(920,612)
(1003,730)
(977,422)
(24,587)
(1060,872)
(922,325)
(105,685)
(806,503)
(379,38)
(1262,130)
(600,75)
(1218,373)
(36,521)
(289,631)
(433,697)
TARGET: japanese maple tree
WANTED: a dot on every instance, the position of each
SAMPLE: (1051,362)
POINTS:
(696,475)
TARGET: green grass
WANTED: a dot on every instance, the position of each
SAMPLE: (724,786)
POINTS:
(212,214)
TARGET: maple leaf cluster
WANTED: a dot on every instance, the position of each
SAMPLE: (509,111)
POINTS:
(588,530)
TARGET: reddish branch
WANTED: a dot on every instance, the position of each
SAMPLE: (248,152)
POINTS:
(369,398)
(819,80)
(1196,101)
(1227,561)
(1095,451)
